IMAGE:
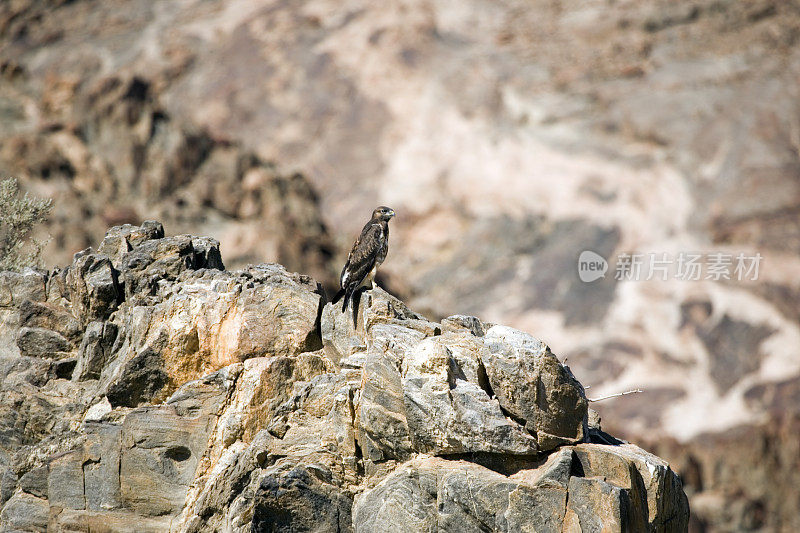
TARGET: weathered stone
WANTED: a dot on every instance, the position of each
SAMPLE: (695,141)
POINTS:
(382,423)
(538,504)
(655,493)
(433,494)
(293,499)
(319,426)
(556,469)
(534,387)
(28,457)
(18,287)
(471,499)
(155,260)
(117,521)
(211,319)
(224,495)
(206,253)
(141,379)
(34,481)
(8,484)
(101,468)
(50,316)
(161,446)
(464,322)
(154,477)
(595,505)
(406,500)
(266,384)
(95,350)
(9,330)
(265,310)
(340,336)
(27,412)
(538,509)
(24,512)
(345,333)
(447,411)
(41,342)
(439,495)
(91,283)
(394,340)
(96,412)
(65,481)
(119,240)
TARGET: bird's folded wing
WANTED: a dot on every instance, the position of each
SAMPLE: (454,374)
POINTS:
(363,255)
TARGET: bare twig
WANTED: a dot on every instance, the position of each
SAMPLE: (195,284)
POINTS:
(614,395)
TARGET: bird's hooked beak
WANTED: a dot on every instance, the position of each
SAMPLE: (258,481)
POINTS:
(391,213)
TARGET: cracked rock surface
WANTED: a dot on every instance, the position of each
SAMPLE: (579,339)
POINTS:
(145,388)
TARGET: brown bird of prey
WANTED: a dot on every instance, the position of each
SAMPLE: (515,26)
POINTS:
(367,254)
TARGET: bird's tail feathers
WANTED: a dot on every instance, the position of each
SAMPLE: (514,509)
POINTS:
(348,294)
(338,296)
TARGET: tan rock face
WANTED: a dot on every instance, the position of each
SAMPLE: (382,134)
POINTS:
(534,386)
(447,409)
(565,493)
(212,320)
(199,399)
(180,316)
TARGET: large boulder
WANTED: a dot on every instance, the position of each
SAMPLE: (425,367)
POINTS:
(206,320)
(447,405)
(656,493)
(535,387)
(565,493)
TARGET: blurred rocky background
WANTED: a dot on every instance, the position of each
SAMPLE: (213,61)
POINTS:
(509,137)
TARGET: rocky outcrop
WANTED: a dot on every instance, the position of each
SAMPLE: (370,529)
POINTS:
(149,389)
